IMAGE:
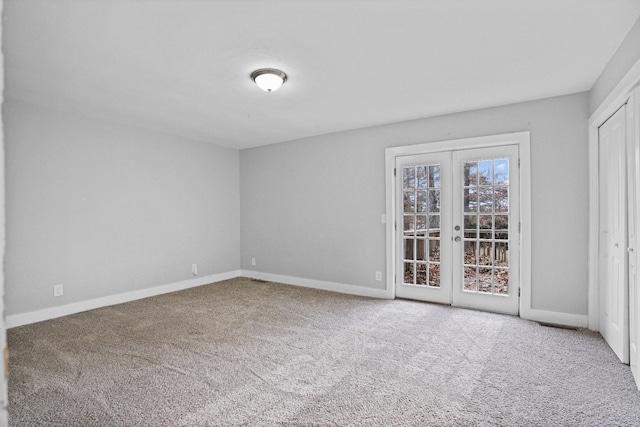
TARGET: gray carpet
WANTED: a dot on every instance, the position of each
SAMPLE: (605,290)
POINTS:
(241,352)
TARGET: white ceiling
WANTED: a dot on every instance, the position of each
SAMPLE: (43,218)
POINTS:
(183,66)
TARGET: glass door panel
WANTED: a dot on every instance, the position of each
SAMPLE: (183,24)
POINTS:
(485,251)
(420,190)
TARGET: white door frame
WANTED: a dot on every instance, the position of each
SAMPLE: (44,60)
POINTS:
(522,139)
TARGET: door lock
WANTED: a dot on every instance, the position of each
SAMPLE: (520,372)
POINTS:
(457,228)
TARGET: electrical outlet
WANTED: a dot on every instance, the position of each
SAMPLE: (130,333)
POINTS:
(58,290)
(194,269)
(378,276)
(253,261)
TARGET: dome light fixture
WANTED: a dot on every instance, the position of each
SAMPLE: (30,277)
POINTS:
(269,79)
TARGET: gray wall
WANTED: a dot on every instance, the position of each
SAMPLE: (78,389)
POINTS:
(105,209)
(626,56)
(311,208)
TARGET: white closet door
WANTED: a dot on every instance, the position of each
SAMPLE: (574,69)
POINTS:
(613,268)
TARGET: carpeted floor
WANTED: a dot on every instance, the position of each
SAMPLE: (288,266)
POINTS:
(242,352)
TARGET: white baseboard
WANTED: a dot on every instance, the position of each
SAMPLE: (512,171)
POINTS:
(319,284)
(544,316)
(16,320)
(67,309)
(555,317)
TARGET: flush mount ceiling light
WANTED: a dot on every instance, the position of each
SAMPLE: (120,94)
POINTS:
(269,79)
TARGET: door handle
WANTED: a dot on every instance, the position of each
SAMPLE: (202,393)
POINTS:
(629,250)
(457,238)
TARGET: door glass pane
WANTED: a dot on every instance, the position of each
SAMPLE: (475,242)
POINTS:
(502,222)
(485,199)
(421,201)
(501,277)
(421,225)
(501,172)
(501,235)
(470,226)
(408,249)
(470,200)
(434,275)
(421,177)
(409,201)
(470,174)
(409,276)
(434,250)
(501,254)
(470,280)
(409,228)
(501,199)
(434,176)
(421,273)
(470,253)
(408,178)
(434,200)
(434,225)
(421,249)
(485,222)
(484,254)
(485,172)
(485,281)
(486,234)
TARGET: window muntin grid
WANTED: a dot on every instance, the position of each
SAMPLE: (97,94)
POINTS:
(486,217)
(421,234)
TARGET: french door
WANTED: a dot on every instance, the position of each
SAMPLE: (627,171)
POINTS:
(457,238)
(423,227)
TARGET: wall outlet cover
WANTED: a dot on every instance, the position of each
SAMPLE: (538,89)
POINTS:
(58,290)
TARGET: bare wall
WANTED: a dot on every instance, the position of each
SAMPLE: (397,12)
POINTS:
(311,208)
(627,54)
(105,209)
